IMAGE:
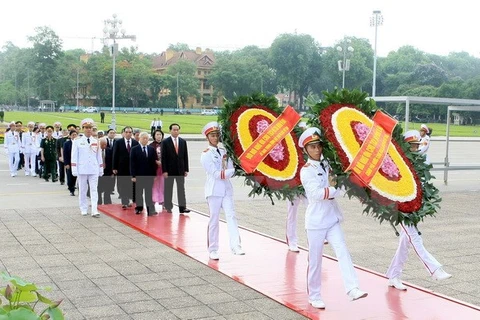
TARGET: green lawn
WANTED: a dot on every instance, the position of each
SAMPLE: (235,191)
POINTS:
(440,129)
(188,123)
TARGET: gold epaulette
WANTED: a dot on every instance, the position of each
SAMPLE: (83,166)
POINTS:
(206,150)
(307,165)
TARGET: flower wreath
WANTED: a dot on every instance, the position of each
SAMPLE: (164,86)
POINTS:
(242,121)
(400,191)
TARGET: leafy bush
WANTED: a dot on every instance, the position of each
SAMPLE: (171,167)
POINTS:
(22,298)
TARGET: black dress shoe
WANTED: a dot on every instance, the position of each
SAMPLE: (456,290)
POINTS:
(185,211)
(138,211)
(72,194)
(124,207)
(169,210)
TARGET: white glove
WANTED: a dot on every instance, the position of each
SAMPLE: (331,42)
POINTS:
(74,171)
(100,172)
(333,192)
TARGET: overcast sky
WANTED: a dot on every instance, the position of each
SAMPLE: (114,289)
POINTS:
(438,27)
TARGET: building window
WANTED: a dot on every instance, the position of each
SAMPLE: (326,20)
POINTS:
(199,72)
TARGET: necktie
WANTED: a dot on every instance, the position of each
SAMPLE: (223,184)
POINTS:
(111,143)
(103,156)
(128,146)
(88,140)
(145,151)
(218,150)
(175,144)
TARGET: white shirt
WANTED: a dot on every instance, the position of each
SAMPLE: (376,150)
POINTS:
(219,170)
(86,157)
(29,142)
(322,210)
(12,141)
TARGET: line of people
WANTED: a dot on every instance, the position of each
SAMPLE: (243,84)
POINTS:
(145,174)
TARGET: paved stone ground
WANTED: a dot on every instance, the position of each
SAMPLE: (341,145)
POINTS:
(105,270)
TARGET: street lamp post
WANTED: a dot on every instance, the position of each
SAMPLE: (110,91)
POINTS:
(112,31)
(177,93)
(344,65)
(78,71)
(375,21)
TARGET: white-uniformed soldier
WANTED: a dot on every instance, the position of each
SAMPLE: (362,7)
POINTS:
(87,164)
(424,141)
(30,150)
(409,236)
(322,221)
(12,148)
(219,191)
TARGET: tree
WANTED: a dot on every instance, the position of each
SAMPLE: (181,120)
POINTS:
(179,47)
(156,83)
(7,92)
(241,75)
(428,74)
(405,59)
(47,50)
(137,76)
(183,74)
(295,59)
(452,89)
(99,70)
(70,65)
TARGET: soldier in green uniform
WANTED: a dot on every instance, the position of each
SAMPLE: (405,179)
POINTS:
(48,152)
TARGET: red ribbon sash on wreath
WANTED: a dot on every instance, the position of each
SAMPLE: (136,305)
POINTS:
(374,148)
(268,139)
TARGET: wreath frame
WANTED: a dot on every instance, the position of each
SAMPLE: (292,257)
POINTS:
(430,194)
(228,137)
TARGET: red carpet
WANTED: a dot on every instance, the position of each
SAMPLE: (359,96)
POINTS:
(269,268)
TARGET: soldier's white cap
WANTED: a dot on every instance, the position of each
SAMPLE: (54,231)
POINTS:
(310,135)
(424,128)
(211,127)
(87,122)
(57,123)
(13,122)
(303,125)
(412,136)
(30,123)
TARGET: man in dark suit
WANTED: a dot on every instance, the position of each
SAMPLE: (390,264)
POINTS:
(111,133)
(121,165)
(175,168)
(105,182)
(67,161)
(143,169)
